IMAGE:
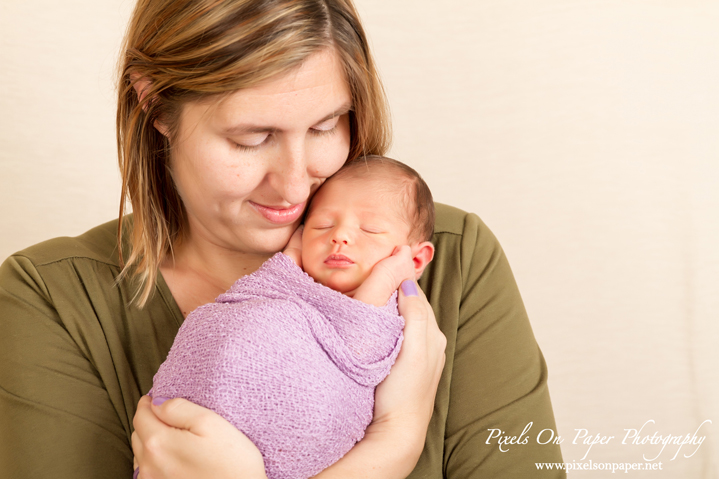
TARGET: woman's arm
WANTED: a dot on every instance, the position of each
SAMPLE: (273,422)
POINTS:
(496,377)
(57,418)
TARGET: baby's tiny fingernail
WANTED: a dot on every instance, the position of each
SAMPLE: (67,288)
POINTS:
(409,288)
(137,472)
(159,401)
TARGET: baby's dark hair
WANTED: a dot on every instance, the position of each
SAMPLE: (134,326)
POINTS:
(417,197)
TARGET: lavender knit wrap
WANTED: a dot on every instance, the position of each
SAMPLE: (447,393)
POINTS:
(289,362)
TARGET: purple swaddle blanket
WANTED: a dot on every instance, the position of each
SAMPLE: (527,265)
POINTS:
(289,362)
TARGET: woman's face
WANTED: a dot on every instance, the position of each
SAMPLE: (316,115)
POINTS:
(246,166)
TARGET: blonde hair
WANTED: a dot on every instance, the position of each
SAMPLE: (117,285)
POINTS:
(188,50)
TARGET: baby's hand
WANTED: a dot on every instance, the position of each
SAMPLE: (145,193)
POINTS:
(294,246)
(386,277)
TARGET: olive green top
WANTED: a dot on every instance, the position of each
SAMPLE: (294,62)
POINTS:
(75,359)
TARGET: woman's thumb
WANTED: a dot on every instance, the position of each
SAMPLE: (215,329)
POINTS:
(411,305)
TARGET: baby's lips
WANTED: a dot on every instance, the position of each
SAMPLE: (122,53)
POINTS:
(338,257)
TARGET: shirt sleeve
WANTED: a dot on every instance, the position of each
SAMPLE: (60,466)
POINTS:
(56,417)
(498,384)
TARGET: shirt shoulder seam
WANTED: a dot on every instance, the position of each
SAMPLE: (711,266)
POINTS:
(63,259)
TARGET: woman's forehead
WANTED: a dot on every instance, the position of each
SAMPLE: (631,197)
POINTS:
(317,89)
(322,72)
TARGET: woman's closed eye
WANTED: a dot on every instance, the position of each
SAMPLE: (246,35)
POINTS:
(251,142)
(327,127)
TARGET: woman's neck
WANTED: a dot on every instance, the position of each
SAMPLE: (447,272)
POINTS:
(197,272)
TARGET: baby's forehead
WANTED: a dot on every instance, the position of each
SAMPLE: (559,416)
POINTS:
(388,196)
(388,190)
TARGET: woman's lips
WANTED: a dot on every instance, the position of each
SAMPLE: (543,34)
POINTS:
(338,261)
(280,216)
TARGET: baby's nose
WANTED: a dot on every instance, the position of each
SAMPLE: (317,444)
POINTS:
(340,236)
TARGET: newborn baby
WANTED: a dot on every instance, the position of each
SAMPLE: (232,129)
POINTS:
(291,358)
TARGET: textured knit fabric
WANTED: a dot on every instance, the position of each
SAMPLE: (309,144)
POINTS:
(289,362)
(75,359)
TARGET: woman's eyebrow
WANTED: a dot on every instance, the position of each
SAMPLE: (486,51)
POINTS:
(244,129)
(338,112)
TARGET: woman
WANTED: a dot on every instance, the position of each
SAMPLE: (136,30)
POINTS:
(231,114)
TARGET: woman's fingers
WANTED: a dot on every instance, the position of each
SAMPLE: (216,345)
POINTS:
(177,439)
(136,449)
(423,323)
(386,277)
(294,246)
(409,391)
(146,423)
(183,414)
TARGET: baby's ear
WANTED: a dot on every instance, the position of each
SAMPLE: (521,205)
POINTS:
(422,254)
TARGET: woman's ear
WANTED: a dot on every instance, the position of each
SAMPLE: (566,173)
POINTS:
(142,87)
(422,254)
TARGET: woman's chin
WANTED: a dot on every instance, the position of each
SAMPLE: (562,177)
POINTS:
(268,241)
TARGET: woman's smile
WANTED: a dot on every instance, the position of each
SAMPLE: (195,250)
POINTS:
(280,215)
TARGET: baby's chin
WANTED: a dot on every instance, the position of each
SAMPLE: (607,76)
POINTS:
(344,285)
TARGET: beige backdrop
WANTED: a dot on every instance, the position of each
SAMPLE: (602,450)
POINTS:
(583,132)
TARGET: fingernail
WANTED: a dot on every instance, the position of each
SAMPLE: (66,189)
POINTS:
(159,401)
(409,288)
(137,472)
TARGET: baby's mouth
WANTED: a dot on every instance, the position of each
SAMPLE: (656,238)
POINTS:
(338,260)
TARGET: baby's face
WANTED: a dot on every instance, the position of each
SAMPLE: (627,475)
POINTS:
(352,225)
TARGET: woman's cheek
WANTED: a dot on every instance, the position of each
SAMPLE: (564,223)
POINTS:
(333,152)
(327,161)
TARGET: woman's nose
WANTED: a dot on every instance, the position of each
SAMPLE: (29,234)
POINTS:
(289,176)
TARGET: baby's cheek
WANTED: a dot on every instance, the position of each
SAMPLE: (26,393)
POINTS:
(307,252)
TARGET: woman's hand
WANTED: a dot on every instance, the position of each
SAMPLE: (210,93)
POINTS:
(404,401)
(178,439)
(294,246)
(386,277)
(407,394)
